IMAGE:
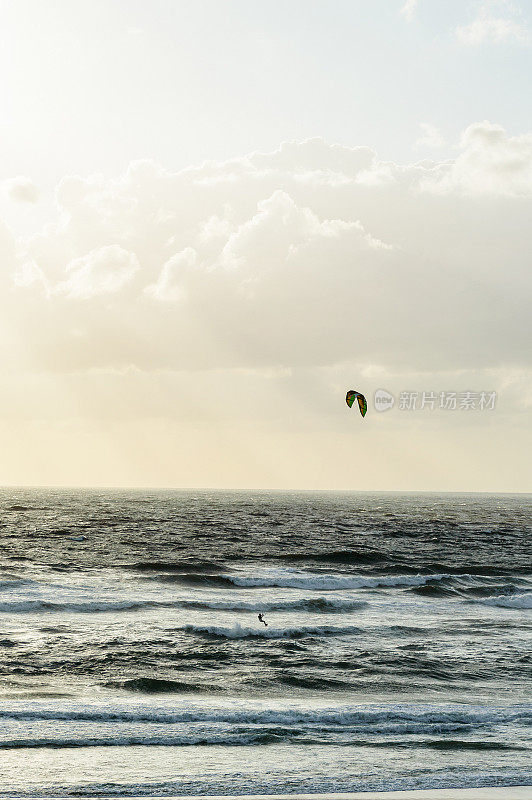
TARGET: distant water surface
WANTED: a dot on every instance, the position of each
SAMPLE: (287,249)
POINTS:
(397,652)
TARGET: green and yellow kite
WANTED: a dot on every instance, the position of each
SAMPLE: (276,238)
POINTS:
(350,399)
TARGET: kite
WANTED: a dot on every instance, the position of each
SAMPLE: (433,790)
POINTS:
(350,399)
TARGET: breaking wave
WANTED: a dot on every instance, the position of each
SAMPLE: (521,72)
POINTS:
(375,720)
(334,582)
(517,601)
(241,632)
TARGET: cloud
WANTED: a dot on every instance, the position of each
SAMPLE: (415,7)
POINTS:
(308,256)
(22,190)
(105,270)
(490,28)
(431,137)
(490,163)
(201,327)
(169,283)
(409,8)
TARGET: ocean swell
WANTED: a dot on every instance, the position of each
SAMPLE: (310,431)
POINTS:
(317,604)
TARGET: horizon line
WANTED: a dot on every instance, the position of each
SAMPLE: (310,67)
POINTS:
(264,489)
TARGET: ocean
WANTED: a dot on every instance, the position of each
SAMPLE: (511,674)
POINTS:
(132,661)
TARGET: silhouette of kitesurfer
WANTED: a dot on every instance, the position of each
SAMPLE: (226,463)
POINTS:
(261,619)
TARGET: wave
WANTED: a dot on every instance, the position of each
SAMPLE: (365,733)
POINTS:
(334,582)
(374,720)
(287,579)
(239,739)
(309,682)
(243,739)
(464,744)
(186,565)
(491,589)
(85,607)
(159,686)
(198,579)
(429,590)
(241,632)
(13,583)
(320,604)
(506,595)
(257,786)
(518,601)
(478,570)
(317,604)
(428,584)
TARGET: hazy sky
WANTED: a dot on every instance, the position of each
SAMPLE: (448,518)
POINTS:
(218,215)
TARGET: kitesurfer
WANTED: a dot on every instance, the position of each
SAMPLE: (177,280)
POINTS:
(261,619)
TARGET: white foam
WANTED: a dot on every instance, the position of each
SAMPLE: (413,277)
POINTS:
(327,582)
(509,601)
(374,718)
(243,632)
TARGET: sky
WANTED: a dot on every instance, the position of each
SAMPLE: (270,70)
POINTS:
(217,216)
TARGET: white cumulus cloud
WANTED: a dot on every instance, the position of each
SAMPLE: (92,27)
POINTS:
(495,23)
(105,270)
(172,278)
(243,264)
(490,162)
(201,327)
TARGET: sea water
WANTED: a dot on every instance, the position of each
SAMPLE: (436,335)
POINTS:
(396,653)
